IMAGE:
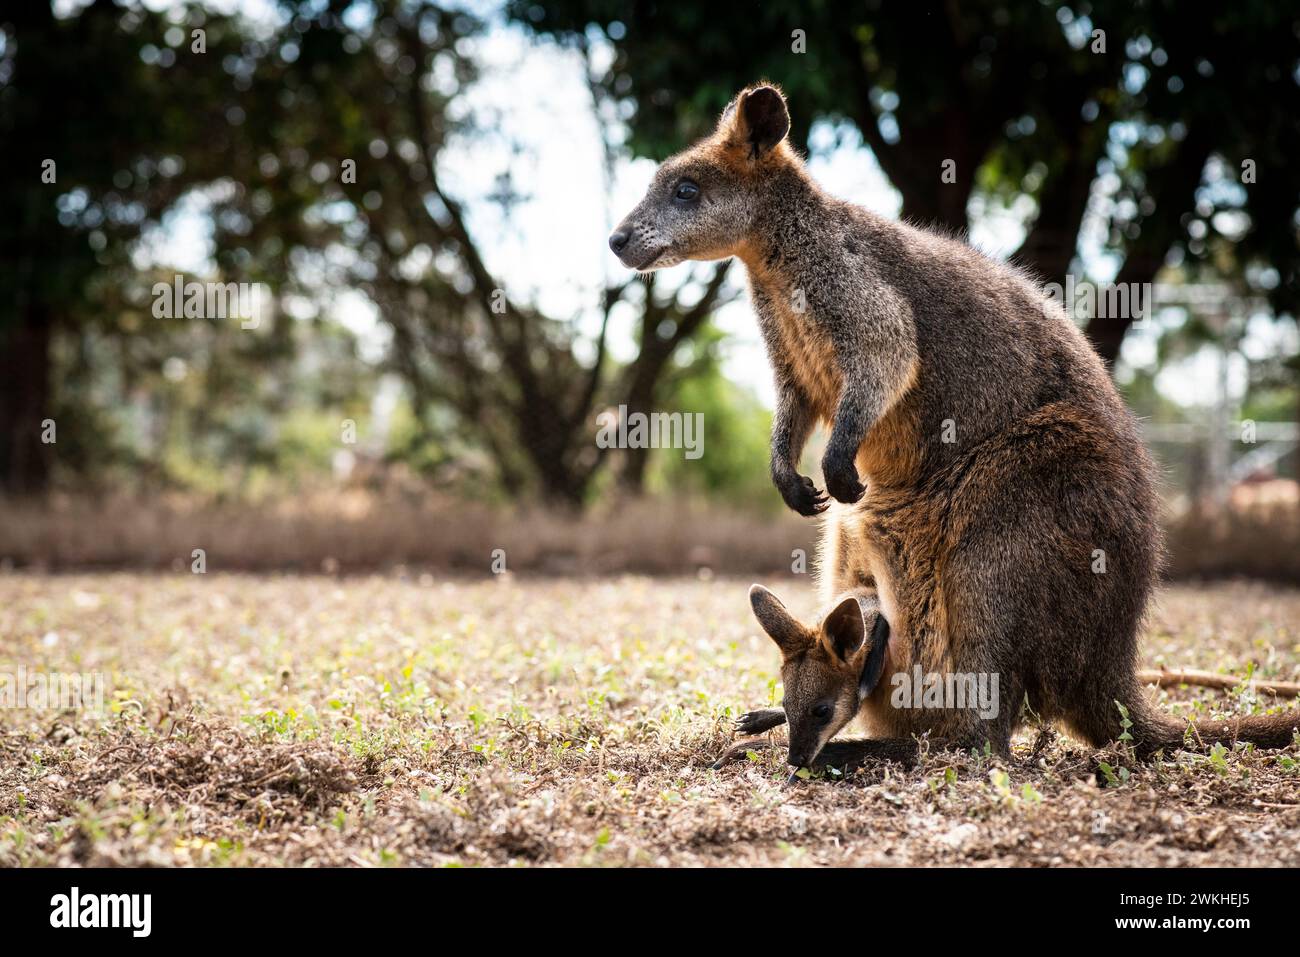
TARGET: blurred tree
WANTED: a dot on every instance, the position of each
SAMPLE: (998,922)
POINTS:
(339,160)
(1114,126)
(311,141)
(97,147)
(736,431)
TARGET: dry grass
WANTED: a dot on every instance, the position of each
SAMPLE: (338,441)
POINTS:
(1260,543)
(359,531)
(369,721)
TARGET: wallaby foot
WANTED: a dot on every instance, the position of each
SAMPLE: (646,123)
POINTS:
(760,720)
(740,750)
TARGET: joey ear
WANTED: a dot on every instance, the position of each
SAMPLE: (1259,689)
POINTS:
(759,120)
(779,624)
(844,628)
(877,645)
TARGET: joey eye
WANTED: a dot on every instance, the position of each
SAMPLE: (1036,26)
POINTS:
(822,712)
(686,191)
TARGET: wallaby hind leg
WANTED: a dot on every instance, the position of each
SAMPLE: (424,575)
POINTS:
(760,720)
(842,755)
(855,752)
(852,753)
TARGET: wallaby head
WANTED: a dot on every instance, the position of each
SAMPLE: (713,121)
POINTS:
(703,202)
(827,671)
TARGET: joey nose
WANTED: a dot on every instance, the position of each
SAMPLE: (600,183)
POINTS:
(618,239)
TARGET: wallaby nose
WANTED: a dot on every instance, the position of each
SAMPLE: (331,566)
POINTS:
(618,239)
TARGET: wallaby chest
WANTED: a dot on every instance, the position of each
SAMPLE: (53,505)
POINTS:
(797,345)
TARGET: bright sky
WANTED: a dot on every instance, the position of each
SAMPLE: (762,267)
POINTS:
(552,248)
(556,243)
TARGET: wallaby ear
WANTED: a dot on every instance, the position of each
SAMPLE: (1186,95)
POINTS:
(844,628)
(758,120)
(779,624)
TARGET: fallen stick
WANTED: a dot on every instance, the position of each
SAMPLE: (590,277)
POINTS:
(1209,679)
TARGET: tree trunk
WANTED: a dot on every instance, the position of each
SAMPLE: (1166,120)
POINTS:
(941,205)
(640,398)
(550,444)
(25,403)
(564,488)
(1107,336)
(1173,194)
(1050,246)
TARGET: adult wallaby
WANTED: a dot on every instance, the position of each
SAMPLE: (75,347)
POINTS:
(1010,527)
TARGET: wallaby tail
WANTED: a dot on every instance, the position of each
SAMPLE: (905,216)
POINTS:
(1153,730)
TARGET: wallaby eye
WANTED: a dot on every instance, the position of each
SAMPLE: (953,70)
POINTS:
(822,712)
(686,191)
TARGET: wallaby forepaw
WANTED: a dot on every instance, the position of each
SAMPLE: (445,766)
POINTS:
(760,720)
(842,482)
(802,495)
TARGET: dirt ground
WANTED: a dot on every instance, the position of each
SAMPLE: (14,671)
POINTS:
(387,721)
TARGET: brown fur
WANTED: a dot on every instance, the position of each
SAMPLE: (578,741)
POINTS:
(981,544)
(819,666)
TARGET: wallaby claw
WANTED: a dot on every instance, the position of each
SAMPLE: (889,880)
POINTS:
(845,488)
(759,720)
(802,495)
(841,475)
